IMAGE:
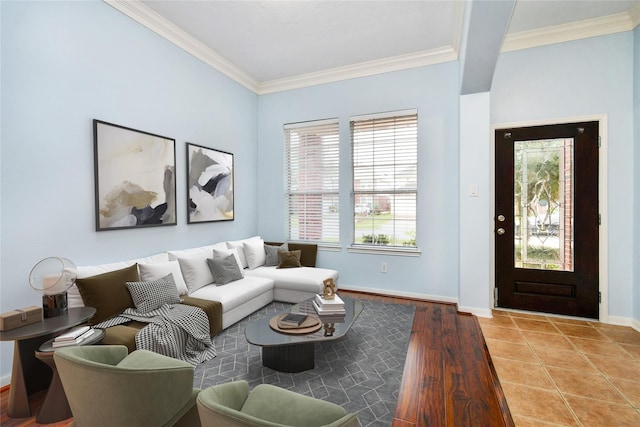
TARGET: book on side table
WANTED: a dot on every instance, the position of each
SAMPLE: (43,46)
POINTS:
(73,337)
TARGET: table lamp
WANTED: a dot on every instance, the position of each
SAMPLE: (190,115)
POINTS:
(53,276)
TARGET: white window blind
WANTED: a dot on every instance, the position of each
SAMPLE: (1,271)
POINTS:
(312,157)
(385,169)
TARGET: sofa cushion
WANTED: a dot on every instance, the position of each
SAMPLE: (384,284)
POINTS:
(289,259)
(191,252)
(123,335)
(152,294)
(223,253)
(161,269)
(235,293)
(108,292)
(195,271)
(307,279)
(224,270)
(239,245)
(73,294)
(255,254)
(271,254)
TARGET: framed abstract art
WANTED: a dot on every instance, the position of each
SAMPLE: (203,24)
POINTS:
(135,183)
(209,184)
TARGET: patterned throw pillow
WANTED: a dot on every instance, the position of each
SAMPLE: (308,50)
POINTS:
(150,295)
(225,269)
(289,259)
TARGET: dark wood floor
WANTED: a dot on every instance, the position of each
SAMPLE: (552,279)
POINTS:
(448,377)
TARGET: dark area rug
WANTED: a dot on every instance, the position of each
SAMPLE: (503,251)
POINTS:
(361,371)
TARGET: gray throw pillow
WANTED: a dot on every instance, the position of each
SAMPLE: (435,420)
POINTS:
(272,254)
(152,294)
(225,269)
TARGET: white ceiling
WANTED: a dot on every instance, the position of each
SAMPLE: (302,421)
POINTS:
(267,43)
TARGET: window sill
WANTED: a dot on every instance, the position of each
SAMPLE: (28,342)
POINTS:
(384,250)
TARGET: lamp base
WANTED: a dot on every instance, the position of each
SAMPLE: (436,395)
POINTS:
(54,305)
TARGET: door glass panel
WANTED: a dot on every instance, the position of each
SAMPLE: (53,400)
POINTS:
(543,204)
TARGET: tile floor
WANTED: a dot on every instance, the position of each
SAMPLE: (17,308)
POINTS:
(565,372)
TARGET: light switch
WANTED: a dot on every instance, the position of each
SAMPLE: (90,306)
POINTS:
(473,190)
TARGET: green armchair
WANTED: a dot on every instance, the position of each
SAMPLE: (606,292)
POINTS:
(231,405)
(107,387)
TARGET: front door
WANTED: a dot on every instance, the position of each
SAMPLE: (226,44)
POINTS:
(546,219)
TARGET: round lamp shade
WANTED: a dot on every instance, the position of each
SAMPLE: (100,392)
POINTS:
(53,275)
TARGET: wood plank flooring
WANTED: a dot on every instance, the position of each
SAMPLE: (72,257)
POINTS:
(448,378)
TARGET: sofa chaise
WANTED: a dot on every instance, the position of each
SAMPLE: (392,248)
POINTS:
(266,272)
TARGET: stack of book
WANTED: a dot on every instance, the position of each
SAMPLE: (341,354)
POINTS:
(73,337)
(329,307)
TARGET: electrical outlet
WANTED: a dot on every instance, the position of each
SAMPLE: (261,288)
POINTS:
(383,267)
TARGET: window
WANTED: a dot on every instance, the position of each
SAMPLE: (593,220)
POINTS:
(385,167)
(312,156)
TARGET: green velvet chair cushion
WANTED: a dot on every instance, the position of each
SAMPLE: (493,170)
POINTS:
(231,405)
(267,402)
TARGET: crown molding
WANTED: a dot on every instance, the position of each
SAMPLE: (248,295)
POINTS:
(142,14)
(145,16)
(634,15)
(601,26)
(362,69)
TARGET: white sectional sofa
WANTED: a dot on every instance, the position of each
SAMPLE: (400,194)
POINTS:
(260,284)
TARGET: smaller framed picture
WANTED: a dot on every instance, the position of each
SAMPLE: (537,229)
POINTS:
(134,178)
(209,184)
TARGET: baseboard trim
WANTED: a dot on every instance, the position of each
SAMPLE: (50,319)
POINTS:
(480,312)
(400,294)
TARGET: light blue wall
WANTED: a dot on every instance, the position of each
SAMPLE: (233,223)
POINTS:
(66,63)
(433,91)
(475,223)
(585,77)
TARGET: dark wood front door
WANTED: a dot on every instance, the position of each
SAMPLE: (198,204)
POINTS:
(546,219)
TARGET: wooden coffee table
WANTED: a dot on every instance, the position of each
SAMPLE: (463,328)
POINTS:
(295,353)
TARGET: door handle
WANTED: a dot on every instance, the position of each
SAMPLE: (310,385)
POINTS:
(500,231)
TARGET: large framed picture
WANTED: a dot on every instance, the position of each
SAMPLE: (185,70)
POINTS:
(134,177)
(209,184)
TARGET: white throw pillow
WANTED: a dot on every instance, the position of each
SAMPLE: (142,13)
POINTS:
(196,272)
(238,244)
(255,254)
(149,272)
(193,252)
(223,253)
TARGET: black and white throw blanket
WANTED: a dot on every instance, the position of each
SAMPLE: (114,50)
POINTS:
(175,330)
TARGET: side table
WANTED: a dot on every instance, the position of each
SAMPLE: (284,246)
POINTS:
(55,406)
(28,375)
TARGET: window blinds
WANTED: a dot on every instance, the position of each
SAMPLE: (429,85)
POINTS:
(312,163)
(385,167)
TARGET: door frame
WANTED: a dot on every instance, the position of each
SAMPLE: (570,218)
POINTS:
(603,232)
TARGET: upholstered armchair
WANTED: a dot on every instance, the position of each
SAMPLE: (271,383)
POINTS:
(107,387)
(231,405)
